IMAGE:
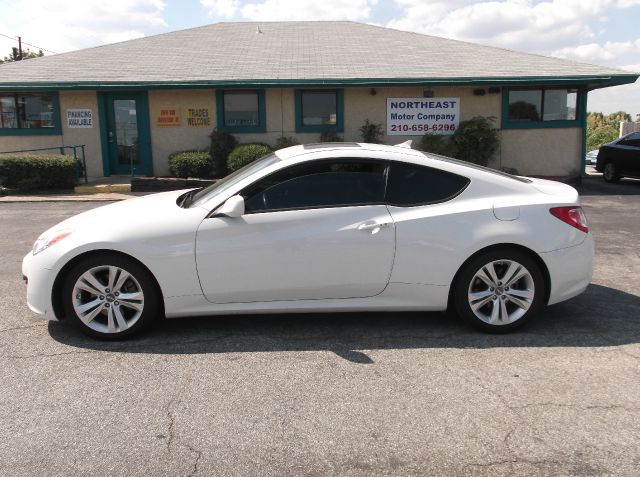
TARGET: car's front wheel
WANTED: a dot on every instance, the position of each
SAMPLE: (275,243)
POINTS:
(610,173)
(110,297)
(499,290)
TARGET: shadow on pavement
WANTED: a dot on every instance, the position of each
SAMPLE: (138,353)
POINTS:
(595,185)
(600,317)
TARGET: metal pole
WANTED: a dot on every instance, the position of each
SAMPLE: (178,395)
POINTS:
(20,46)
(84,165)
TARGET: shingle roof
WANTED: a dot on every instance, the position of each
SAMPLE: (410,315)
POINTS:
(313,52)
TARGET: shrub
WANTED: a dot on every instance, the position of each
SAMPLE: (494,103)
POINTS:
(371,132)
(330,136)
(476,140)
(190,164)
(246,153)
(285,141)
(222,144)
(37,171)
(436,144)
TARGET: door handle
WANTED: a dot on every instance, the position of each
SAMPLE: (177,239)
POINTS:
(375,227)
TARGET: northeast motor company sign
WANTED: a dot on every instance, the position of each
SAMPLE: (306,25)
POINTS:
(419,116)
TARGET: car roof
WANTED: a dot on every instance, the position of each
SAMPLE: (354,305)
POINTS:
(296,151)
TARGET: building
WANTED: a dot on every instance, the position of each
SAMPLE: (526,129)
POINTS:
(139,101)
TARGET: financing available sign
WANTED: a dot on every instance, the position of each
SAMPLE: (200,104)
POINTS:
(419,116)
(79,118)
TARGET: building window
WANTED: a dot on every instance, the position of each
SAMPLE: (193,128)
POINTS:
(319,110)
(241,111)
(29,114)
(540,107)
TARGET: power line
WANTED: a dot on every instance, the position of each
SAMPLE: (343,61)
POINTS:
(34,46)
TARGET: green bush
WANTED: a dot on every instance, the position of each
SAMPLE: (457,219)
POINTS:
(371,132)
(222,144)
(285,141)
(436,144)
(330,136)
(37,171)
(476,140)
(246,153)
(190,164)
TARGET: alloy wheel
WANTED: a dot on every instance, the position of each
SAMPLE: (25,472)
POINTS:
(107,299)
(501,292)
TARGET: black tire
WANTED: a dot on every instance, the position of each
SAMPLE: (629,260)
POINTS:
(467,281)
(610,172)
(105,325)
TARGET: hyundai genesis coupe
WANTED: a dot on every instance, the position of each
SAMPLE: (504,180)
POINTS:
(320,228)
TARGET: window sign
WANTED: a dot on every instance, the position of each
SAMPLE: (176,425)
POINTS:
(79,118)
(198,117)
(419,116)
(168,117)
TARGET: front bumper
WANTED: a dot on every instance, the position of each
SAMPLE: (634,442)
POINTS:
(39,287)
(570,269)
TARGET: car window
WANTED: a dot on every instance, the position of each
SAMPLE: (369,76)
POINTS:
(410,184)
(631,140)
(317,185)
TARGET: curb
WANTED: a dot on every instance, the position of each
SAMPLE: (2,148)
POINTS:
(103,189)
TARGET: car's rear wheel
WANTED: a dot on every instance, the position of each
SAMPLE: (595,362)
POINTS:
(110,297)
(610,173)
(499,290)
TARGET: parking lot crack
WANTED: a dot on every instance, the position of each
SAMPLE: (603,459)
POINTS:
(173,439)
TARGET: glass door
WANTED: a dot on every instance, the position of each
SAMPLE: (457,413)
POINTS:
(127,134)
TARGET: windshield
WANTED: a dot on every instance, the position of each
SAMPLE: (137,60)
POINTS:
(225,183)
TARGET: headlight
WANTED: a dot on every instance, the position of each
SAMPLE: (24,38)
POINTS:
(48,240)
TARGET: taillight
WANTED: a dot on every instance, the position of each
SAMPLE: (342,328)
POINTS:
(572,215)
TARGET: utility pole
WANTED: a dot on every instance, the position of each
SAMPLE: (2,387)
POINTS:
(20,47)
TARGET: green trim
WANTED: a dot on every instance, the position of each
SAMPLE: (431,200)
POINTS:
(104,143)
(338,127)
(582,119)
(56,130)
(105,86)
(262,115)
(565,123)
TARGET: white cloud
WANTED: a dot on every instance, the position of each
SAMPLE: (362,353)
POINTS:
(221,8)
(516,24)
(63,25)
(271,10)
(596,53)
(284,10)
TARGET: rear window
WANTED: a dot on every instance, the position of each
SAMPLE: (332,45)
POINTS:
(410,184)
(476,166)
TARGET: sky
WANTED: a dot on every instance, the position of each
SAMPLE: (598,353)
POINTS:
(602,32)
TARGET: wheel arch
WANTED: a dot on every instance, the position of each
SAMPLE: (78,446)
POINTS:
(511,246)
(56,290)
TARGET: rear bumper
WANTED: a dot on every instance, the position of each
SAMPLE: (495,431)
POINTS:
(570,270)
(39,287)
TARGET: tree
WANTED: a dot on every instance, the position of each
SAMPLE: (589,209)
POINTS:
(602,128)
(26,54)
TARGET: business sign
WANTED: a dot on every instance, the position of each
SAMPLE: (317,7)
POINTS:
(419,116)
(198,117)
(79,118)
(168,117)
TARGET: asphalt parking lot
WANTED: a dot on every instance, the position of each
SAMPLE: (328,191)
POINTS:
(342,394)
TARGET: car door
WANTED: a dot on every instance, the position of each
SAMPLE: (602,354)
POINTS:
(316,230)
(629,162)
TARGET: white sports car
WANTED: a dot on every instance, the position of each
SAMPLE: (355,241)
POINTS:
(320,228)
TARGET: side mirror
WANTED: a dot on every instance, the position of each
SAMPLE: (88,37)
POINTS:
(233,207)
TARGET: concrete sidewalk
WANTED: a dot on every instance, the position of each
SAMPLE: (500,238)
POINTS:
(99,197)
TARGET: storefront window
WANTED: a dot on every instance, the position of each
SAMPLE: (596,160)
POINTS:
(27,111)
(319,110)
(541,106)
(241,111)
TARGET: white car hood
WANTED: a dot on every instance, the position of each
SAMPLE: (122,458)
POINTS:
(126,214)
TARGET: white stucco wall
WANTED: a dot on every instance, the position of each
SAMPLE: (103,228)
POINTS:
(550,152)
